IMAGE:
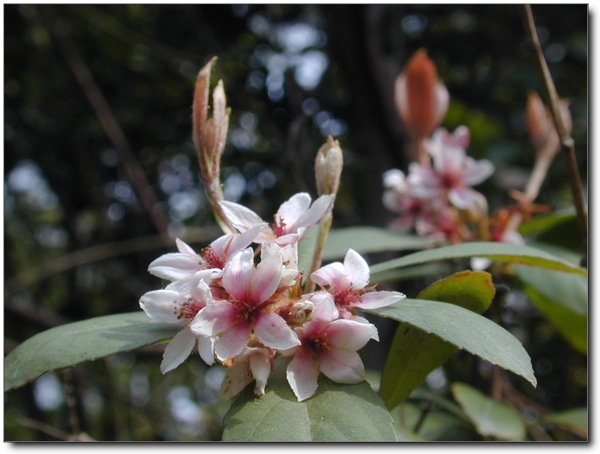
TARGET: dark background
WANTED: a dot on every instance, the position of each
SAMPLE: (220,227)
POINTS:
(101,174)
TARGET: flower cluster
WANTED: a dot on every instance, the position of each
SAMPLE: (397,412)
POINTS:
(241,301)
(435,198)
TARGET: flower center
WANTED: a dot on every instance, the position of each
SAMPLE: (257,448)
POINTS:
(188,309)
(347,298)
(212,258)
(246,311)
(450,180)
(318,344)
(278,227)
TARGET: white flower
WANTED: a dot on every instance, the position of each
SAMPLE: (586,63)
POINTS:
(171,305)
(293,218)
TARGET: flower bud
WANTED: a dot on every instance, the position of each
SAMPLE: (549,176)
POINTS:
(328,167)
(421,98)
(540,125)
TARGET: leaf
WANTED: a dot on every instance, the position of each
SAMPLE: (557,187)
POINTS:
(567,290)
(71,344)
(413,353)
(556,228)
(571,325)
(366,240)
(464,329)
(490,417)
(575,419)
(335,413)
(500,252)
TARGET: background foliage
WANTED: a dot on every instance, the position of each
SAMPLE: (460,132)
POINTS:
(100,172)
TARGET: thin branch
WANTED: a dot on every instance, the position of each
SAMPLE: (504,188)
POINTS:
(108,121)
(566,141)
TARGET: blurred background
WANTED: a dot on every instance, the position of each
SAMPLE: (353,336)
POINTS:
(100,173)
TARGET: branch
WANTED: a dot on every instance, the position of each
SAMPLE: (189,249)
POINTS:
(566,141)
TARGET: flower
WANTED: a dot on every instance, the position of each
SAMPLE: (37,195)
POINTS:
(346,284)
(453,172)
(254,363)
(421,98)
(246,313)
(171,305)
(329,345)
(293,218)
(174,266)
(397,198)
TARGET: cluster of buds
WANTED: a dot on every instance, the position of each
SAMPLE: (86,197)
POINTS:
(243,299)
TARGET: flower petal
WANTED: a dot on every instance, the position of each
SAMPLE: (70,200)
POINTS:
(349,334)
(477,172)
(235,380)
(241,217)
(175,265)
(238,272)
(266,276)
(374,300)
(214,319)
(233,341)
(161,305)
(342,366)
(333,274)
(273,331)
(177,350)
(206,349)
(315,212)
(260,365)
(357,269)
(302,373)
(291,210)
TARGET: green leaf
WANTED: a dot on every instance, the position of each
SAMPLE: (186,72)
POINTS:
(335,413)
(71,344)
(366,240)
(569,324)
(464,329)
(575,419)
(500,252)
(413,353)
(556,228)
(490,417)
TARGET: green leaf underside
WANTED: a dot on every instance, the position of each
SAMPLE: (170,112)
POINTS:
(464,329)
(335,413)
(567,290)
(490,417)
(569,324)
(414,353)
(499,252)
(71,344)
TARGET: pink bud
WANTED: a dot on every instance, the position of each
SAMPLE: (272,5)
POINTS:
(421,98)
(540,125)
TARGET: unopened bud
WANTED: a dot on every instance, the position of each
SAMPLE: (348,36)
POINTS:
(328,167)
(421,98)
(540,125)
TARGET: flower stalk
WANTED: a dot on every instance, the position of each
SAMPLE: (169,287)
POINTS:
(209,135)
(328,171)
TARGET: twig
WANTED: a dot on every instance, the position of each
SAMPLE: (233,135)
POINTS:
(108,121)
(566,141)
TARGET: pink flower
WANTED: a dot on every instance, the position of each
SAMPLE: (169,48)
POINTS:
(329,345)
(254,363)
(246,312)
(183,264)
(171,305)
(453,172)
(293,218)
(346,283)
(397,199)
